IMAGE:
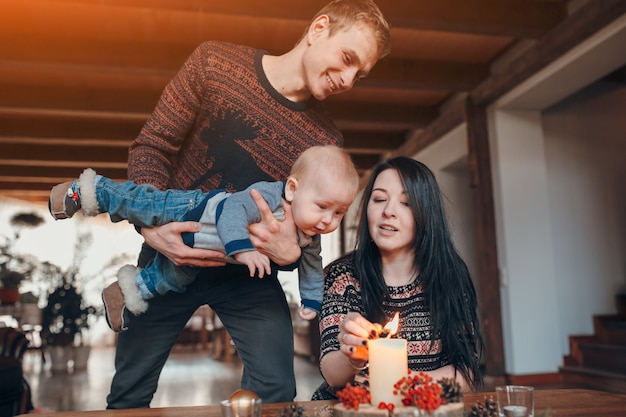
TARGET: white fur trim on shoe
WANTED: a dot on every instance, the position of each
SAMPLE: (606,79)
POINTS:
(132,297)
(87,192)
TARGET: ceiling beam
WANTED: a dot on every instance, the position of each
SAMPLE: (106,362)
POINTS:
(579,26)
(45,123)
(54,174)
(425,75)
(514,18)
(369,142)
(388,73)
(68,153)
(511,18)
(391,115)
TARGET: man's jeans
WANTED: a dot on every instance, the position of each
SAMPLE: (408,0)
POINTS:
(255,314)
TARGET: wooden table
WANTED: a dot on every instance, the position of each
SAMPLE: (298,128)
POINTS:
(563,403)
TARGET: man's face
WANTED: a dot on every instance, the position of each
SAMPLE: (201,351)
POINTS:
(332,64)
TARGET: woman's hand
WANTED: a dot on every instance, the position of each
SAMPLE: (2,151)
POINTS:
(276,239)
(339,367)
(167,240)
(354,332)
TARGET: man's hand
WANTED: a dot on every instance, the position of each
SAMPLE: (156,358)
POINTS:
(255,261)
(167,240)
(277,240)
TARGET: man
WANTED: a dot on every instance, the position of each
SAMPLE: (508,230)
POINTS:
(233,116)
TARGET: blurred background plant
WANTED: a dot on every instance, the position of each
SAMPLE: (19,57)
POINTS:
(15,267)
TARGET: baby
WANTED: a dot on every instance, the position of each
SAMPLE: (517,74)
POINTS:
(320,188)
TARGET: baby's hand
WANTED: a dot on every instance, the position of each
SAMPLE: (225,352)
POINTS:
(306,313)
(255,260)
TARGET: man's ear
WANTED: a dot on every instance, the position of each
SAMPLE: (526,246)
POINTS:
(290,188)
(317,28)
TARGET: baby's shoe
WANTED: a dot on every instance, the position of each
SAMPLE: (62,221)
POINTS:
(123,297)
(69,197)
(114,308)
(64,200)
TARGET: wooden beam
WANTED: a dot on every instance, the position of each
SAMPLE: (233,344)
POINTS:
(400,74)
(42,123)
(90,24)
(56,97)
(486,242)
(512,18)
(372,142)
(362,162)
(54,173)
(445,122)
(426,75)
(519,18)
(578,27)
(409,117)
(64,154)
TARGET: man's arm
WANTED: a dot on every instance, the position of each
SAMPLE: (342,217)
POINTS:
(167,239)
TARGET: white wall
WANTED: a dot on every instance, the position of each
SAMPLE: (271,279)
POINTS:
(558,191)
(586,155)
(528,287)
(447,158)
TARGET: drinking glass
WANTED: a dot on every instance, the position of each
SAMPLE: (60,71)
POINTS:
(515,401)
(241,408)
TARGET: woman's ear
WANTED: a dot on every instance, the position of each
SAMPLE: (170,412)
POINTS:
(317,28)
(290,188)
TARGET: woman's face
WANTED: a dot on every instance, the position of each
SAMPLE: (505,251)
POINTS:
(389,216)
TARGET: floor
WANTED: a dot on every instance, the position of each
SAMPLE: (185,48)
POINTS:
(190,377)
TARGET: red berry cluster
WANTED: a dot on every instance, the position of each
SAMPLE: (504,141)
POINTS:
(351,396)
(386,406)
(419,390)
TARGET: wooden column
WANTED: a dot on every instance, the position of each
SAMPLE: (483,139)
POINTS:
(488,277)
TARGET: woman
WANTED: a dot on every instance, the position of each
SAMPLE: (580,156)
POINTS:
(404,262)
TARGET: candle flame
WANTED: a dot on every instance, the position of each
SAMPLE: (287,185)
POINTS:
(392,326)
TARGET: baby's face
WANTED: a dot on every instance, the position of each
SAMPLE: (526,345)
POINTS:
(319,206)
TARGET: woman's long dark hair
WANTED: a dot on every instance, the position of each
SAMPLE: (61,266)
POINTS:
(448,287)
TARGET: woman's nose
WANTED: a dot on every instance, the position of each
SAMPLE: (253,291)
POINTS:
(389,210)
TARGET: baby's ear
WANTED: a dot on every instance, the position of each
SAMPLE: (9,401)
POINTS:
(290,188)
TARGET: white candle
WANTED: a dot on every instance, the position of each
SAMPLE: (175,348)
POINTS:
(388,363)
(515,411)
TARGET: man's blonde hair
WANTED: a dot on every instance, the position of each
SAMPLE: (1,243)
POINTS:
(327,159)
(345,13)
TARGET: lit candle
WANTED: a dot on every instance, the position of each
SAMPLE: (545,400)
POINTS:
(388,363)
(515,411)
